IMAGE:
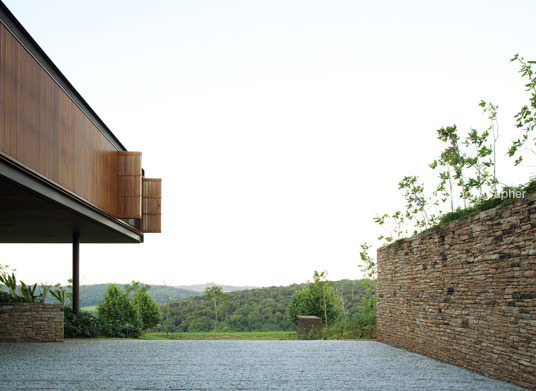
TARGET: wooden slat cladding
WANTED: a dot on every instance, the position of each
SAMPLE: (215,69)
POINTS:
(41,127)
(152,206)
(129,185)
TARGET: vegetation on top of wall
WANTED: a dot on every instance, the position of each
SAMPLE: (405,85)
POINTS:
(13,292)
(467,180)
(508,196)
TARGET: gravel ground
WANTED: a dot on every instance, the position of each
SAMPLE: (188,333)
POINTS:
(111,364)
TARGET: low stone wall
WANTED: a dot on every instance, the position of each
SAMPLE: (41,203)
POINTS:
(466,294)
(31,322)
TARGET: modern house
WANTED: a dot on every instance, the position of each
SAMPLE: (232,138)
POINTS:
(64,176)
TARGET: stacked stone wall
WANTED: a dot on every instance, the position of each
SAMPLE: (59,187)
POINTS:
(465,294)
(31,322)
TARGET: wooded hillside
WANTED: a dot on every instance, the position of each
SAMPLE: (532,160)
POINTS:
(262,309)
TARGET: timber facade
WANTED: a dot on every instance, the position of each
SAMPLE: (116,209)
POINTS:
(61,169)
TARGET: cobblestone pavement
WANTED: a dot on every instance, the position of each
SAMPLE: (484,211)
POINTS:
(112,364)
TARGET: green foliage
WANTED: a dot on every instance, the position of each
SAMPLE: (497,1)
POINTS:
(88,325)
(418,215)
(507,195)
(116,308)
(90,295)
(218,298)
(19,294)
(526,117)
(129,314)
(362,326)
(147,309)
(6,297)
(117,315)
(369,269)
(28,293)
(317,298)
(61,294)
(252,310)
(83,325)
(134,287)
(9,280)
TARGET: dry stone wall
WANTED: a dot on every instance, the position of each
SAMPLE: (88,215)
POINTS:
(31,322)
(465,294)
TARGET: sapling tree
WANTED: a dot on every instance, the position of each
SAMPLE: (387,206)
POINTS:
(369,268)
(452,162)
(526,117)
(215,294)
(169,295)
(395,225)
(419,212)
(418,206)
(493,130)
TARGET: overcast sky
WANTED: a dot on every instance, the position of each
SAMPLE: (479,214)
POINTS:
(279,128)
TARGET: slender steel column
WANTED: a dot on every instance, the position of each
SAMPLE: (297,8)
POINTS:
(76,273)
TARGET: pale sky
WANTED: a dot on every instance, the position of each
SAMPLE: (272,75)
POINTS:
(279,128)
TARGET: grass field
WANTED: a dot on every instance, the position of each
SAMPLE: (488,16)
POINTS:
(92,308)
(251,336)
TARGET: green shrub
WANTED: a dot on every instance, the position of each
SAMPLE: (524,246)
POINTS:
(87,325)
(6,297)
(460,214)
(363,326)
(84,324)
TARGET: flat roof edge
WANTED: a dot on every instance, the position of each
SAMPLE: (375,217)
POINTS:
(35,184)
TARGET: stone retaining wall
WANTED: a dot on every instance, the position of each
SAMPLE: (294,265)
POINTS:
(31,322)
(466,294)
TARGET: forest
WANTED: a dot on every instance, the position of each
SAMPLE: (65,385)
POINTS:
(261,309)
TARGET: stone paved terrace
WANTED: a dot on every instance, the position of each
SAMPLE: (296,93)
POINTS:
(114,364)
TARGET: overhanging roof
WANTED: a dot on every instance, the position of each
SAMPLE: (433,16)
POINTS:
(35,210)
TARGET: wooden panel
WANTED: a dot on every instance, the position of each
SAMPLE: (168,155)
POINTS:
(129,185)
(41,127)
(9,93)
(152,206)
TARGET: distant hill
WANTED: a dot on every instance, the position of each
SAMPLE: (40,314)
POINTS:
(260,309)
(91,294)
(226,288)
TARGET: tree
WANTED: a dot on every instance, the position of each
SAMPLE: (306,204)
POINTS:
(116,308)
(215,294)
(147,309)
(317,298)
(148,313)
(369,268)
(169,294)
(136,286)
(526,117)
